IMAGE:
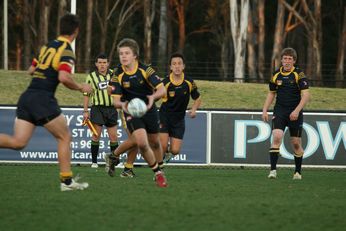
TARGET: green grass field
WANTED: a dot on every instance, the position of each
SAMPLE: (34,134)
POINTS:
(196,199)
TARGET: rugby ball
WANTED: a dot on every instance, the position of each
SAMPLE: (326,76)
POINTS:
(137,107)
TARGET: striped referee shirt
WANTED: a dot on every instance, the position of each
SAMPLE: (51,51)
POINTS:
(99,84)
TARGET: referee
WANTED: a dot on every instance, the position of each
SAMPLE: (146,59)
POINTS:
(102,110)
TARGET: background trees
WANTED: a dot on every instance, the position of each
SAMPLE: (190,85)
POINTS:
(223,40)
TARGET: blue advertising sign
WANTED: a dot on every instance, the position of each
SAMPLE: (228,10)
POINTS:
(242,137)
(43,148)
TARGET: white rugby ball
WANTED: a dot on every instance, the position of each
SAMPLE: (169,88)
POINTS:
(137,107)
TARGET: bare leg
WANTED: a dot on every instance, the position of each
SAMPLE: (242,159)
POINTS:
(164,142)
(59,129)
(154,141)
(142,142)
(175,145)
(22,133)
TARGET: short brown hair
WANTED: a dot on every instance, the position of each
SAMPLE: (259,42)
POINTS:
(68,24)
(131,43)
(289,52)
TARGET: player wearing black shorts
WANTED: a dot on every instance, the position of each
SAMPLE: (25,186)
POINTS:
(179,89)
(103,112)
(38,106)
(133,79)
(291,88)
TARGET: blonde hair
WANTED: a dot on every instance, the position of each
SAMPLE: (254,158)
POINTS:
(289,52)
(131,43)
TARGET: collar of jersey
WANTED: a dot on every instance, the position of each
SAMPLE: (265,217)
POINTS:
(177,83)
(132,72)
(61,38)
(286,73)
(98,73)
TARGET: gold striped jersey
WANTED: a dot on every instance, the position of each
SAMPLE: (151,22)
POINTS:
(55,56)
(288,86)
(178,95)
(99,84)
(137,84)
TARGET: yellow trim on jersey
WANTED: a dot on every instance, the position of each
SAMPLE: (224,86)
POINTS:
(179,82)
(56,59)
(120,77)
(189,84)
(62,38)
(165,97)
(159,85)
(286,73)
(132,72)
(275,77)
(296,77)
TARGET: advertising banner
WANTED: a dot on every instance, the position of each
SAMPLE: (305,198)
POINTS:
(242,137)
(43,148)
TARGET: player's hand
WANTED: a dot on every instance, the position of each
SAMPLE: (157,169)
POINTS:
(150,101)
(265,116)
(294,116)
(85,115)
(124,107)
(86,88)
(192,113)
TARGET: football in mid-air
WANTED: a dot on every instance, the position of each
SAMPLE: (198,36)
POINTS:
(137,107)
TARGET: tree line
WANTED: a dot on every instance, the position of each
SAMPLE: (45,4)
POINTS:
(224,40)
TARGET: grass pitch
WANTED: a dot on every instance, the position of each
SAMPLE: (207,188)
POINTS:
(196,199)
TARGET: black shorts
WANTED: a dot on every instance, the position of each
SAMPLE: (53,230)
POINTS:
(37,107)
(295,127)
(171,125)
(104,115)
(150,122)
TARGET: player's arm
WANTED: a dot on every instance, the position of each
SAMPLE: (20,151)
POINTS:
(86,97)
(269,100)
(305,97)
(32,67)
(196,104)
(158,94)
(66,79)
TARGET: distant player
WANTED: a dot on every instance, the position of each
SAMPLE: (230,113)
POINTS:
(133,79)
(38,106)
(179,89)
(291,88)
(102,111)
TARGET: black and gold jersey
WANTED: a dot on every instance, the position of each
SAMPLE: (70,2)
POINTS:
(288,86)
(178,95)
(137,84)
(99,83)
(55,56)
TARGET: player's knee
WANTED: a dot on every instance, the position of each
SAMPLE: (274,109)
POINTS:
(155,145)
(175,151)
(298,154)
(143,147)
(19,145)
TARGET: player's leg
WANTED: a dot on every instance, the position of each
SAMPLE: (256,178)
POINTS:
(130,160)
(111,119)
(176,134)
(59,129)
(113,138)
(278,127)
(164,138)
(95,145)
(175,145)
(22,132)
(142,141)
(154,141)
(295,128)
